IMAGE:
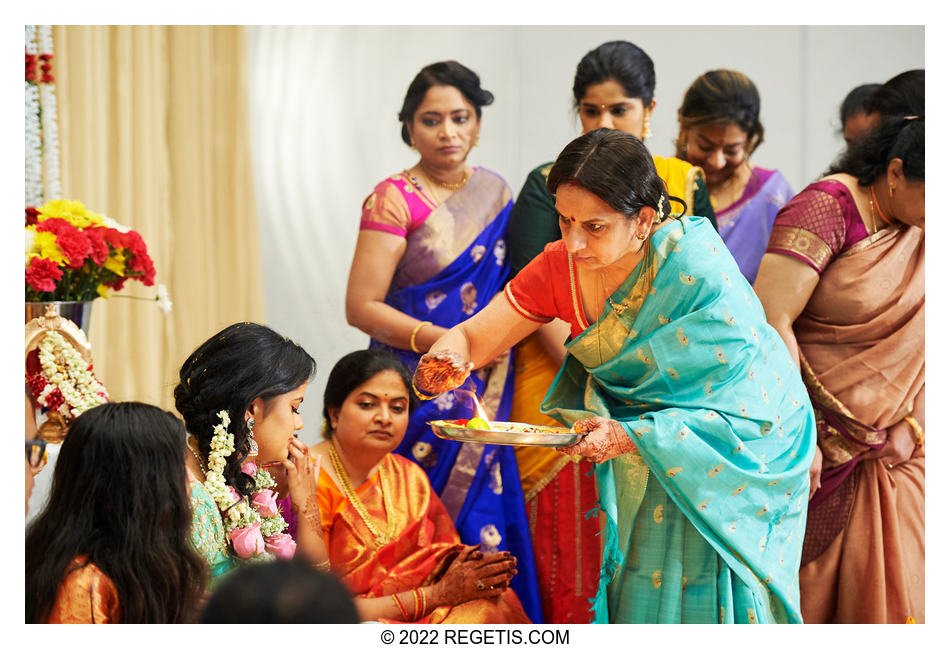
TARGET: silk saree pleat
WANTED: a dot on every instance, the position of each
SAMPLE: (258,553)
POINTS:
(683,358)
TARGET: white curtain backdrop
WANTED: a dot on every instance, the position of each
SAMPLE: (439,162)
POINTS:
(323,127)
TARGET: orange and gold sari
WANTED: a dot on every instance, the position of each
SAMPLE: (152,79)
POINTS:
(86,596)
(424,543)
(861,343)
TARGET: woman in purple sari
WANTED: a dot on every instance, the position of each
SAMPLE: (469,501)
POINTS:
(719,130)
(431,253)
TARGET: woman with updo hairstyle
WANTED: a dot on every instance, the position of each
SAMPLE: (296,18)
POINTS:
(614,86)
(113,544)
(719,130)
(389,536)
(431,252)
(854,116)
(843,283)
(248,381)
(690,406)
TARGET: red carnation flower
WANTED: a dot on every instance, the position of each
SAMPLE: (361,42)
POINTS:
(75,246)
(99,248)
(31,215)
(116,284)
(113,237)
(54,399)
(57,226)
(42,274)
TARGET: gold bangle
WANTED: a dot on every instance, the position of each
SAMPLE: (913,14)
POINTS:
(405,618)
(421,395)
(918,429)
(415,605)
(412,336)
(323,565)
(422,594)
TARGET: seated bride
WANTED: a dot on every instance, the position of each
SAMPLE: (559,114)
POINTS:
(388,536)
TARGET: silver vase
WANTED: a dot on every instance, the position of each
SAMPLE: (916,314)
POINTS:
(79,313)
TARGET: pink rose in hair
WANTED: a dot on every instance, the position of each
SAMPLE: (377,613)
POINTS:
(281,545)
(235,496)
(247,541)
(249,468)
(265,502)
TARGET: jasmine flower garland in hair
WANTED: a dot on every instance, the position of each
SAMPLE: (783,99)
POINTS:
(253,528)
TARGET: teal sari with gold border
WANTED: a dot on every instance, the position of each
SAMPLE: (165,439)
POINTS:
(705,522)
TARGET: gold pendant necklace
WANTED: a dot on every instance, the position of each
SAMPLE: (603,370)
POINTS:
(379,537)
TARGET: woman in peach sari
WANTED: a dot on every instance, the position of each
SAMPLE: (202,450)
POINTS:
(389,537)
(843,282)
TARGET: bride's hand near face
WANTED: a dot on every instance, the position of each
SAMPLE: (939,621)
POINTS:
(302,472)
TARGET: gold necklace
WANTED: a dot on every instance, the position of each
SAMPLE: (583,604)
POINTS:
(351,495)
(201,466)
(450,186)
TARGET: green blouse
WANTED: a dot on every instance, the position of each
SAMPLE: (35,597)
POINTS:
(207,533)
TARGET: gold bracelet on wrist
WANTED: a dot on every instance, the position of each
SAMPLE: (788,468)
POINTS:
(918,429)
(323,565)
(412,336)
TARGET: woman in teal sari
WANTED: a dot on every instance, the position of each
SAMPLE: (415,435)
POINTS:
(694,413)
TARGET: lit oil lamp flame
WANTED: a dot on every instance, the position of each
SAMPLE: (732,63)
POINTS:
(479,410)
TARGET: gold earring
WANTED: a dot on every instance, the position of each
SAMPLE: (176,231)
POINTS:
(646,129)
(641,236)
(477,136)
(412,145)
(890,190)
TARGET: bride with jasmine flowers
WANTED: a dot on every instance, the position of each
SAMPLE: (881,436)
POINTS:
(239,394)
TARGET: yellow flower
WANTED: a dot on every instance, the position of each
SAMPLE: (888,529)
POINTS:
(44,245)
(116,263)
(102,290)
(73,211)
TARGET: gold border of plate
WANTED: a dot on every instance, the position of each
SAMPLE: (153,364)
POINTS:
(550,436)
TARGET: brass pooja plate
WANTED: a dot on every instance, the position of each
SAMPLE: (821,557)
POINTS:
(507,434)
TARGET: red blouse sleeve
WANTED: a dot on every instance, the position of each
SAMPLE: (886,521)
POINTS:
(531,292)
(813,227)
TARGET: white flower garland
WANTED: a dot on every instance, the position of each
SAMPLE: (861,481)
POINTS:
(80,388)
(33,147)
(33,153)
(236,513)
(50,132)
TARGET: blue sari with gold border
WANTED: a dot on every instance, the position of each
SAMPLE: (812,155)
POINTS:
(454,263)
(705,522)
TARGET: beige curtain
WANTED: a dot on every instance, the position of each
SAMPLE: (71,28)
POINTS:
(154,134)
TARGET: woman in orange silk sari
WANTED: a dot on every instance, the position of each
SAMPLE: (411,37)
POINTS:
(388,535)
(843,282)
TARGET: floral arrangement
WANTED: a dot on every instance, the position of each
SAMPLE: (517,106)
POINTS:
(65,383)
(253,524)
(73,253)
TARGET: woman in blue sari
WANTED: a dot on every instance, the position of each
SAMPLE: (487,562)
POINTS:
(431,253)
(695,415)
